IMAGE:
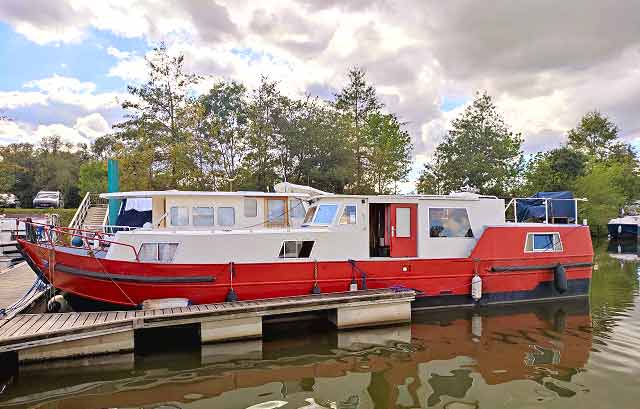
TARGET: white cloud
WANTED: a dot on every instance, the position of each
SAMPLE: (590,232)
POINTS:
(85,130)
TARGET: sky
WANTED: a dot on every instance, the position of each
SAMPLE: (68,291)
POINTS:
(65,64)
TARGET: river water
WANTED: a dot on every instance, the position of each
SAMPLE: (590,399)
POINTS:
(570,355)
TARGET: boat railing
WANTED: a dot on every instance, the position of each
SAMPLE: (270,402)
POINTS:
(513,204)
(91,241)
(108,228)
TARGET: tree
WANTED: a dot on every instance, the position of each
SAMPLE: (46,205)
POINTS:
(554,170)
(479,151)
(389,159)
(92,177)
(158,118)
(595,135)
(357,101)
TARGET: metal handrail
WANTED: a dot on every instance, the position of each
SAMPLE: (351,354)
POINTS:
(81,213)
(91,235)
(514,201)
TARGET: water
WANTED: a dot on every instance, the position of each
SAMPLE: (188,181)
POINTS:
(571,355)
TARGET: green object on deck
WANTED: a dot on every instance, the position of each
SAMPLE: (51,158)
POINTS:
(113,185)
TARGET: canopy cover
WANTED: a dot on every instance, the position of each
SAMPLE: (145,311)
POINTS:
(557,207)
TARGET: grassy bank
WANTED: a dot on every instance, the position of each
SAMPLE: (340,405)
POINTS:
(65,214)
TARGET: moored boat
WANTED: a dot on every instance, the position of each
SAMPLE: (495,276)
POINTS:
(626,227)
(209,247)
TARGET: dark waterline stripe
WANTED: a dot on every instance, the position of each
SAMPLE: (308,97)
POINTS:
(133,278)
(539,267)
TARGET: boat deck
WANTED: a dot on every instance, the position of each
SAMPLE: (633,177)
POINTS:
(50,336)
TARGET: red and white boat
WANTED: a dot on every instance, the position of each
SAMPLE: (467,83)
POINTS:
(209,247)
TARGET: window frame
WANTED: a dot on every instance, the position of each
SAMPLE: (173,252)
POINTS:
(344,208)
(540,233)
(297,257)
(291,213)
(157,245)
(193,216)
(455,237)
(333,220)
(285,216)
(188,223)
(244,207)
(218,208)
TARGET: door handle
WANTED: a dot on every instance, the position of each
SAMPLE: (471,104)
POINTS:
(393,231)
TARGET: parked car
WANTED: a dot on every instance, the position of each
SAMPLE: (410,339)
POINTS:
(9,200)
(48,199)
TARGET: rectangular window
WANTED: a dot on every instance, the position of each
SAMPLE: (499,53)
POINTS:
(202,216)
(179,216)
(309,216)
(296,249)
(325,214)
(541,242)
(250,207)
(157,252)
(348,214)
(226,216)
(403,222)
(296,209)
(276,211)
(449,222)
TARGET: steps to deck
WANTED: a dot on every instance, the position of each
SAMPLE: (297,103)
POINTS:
(51,336)
(95,217)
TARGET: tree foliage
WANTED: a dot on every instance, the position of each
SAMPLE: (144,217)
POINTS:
(479,152)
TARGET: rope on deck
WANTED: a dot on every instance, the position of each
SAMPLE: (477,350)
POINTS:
(38,286)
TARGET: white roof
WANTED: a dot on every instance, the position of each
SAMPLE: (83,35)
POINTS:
(165,193)
(283,187)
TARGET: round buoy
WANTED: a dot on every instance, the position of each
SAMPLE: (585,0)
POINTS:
(76,241)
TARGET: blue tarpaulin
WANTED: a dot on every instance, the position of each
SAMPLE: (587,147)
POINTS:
(133,216)
(529,209)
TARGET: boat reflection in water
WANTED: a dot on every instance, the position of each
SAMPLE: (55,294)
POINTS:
(462,359)
(626,251)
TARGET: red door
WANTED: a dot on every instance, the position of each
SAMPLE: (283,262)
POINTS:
(404,234)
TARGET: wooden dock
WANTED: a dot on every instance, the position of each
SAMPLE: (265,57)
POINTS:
(51,336)
(15,282)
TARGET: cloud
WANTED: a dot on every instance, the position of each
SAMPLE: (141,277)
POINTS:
(85,130)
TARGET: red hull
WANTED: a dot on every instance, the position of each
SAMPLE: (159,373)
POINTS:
(130,283)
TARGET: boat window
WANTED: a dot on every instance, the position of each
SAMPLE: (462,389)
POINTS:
(296,249)
(296,208)
(250,207)
(449,222)
(226,216)
(325,214)
(157,252)
(202,216)
(309,216)
(179,216)
(348,214)
(538,242)
(276,211)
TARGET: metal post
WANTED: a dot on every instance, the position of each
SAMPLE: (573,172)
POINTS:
(113,179)
(515,210)
(575,210)
(546,211)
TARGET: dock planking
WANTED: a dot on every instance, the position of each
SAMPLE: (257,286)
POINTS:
(28,332)
(14,284)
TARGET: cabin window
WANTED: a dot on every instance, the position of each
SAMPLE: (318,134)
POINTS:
(157,252)
(325,214)
(296,209)
(540,242)
(276,211)
(202,216)
(226,216)
(348,214)
(296,249)
(309,216)
(250,207)
(449,222)
(179,216)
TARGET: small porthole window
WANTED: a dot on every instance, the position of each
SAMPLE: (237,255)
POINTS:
(179,216)
(226,216)
(250,207)
(543,242)
(348,214)
(202,216)
(157,252)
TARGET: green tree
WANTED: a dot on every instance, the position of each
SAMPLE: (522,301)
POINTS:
(605,196)
(595,135)
(357,101)
(158,119)
(389,159)
(92,177)
(479,151)
(554,170)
